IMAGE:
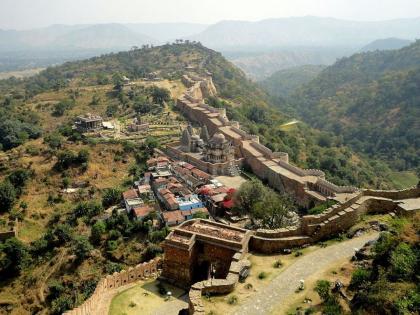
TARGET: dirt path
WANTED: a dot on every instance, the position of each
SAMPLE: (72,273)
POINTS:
(285,284)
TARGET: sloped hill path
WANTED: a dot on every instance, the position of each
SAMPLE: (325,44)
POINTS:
(284,285)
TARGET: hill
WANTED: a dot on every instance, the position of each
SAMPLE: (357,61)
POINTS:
(284,82)
(304,31)
(371,101)
(386,44)
(62,250)
(105,36)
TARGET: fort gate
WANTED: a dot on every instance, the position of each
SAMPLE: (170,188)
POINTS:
(198,247)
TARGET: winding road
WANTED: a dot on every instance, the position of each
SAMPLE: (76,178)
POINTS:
(285,284)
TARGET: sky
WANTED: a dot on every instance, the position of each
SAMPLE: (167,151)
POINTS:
(26,14)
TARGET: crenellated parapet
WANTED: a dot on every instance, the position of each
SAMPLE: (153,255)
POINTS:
(142,271)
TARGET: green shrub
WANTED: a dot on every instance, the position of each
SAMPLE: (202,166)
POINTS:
(233,299)
(277,264)
(322,207)
(262,275)
(360,278)
(7,196)
(322,287)
(403,261)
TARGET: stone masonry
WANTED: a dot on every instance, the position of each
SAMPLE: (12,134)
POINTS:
(308,186)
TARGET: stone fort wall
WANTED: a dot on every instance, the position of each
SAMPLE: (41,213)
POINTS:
(274,167)
(110,282)
(334,220)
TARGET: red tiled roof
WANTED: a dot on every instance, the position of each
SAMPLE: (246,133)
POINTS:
(228,204)
(161,180)
(143,211)
(200,173)
(173,216)
(130,194)
(144,189)
(188,166)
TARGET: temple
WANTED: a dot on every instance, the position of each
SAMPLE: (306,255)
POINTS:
(214,155)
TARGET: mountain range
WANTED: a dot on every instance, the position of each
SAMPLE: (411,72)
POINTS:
(259,48)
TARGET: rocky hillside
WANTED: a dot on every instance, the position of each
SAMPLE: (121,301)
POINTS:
(370,100)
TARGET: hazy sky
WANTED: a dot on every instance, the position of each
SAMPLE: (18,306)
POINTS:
(22,14)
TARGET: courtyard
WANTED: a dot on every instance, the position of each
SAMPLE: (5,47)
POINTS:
(145,298)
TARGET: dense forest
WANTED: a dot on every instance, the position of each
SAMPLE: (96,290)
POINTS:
(371,101)
(284,82)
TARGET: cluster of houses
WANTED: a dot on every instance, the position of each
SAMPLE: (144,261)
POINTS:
(176,191)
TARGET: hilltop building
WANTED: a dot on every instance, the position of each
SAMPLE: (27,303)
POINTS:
(88,122)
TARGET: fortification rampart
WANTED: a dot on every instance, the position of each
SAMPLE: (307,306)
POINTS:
(336,219)
(118,279)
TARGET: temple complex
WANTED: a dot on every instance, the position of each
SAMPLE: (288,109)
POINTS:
(214,155)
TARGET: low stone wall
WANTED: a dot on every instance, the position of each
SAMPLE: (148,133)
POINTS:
(6,235)
(118,279)
(216,286)
(13,232)
(413,192)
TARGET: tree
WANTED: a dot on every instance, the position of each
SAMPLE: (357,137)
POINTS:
(249,194)
(18,178)
(65,159)
(61,107)
(82,248)
(272,209)
(322,287)
(160,95)
(83,156)
(111,196)
(142,104)
(14,257)
(54,140)
(118,81)
(7,196)
(98,229)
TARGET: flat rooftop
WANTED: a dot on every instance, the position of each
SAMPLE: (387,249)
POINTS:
(214,230)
